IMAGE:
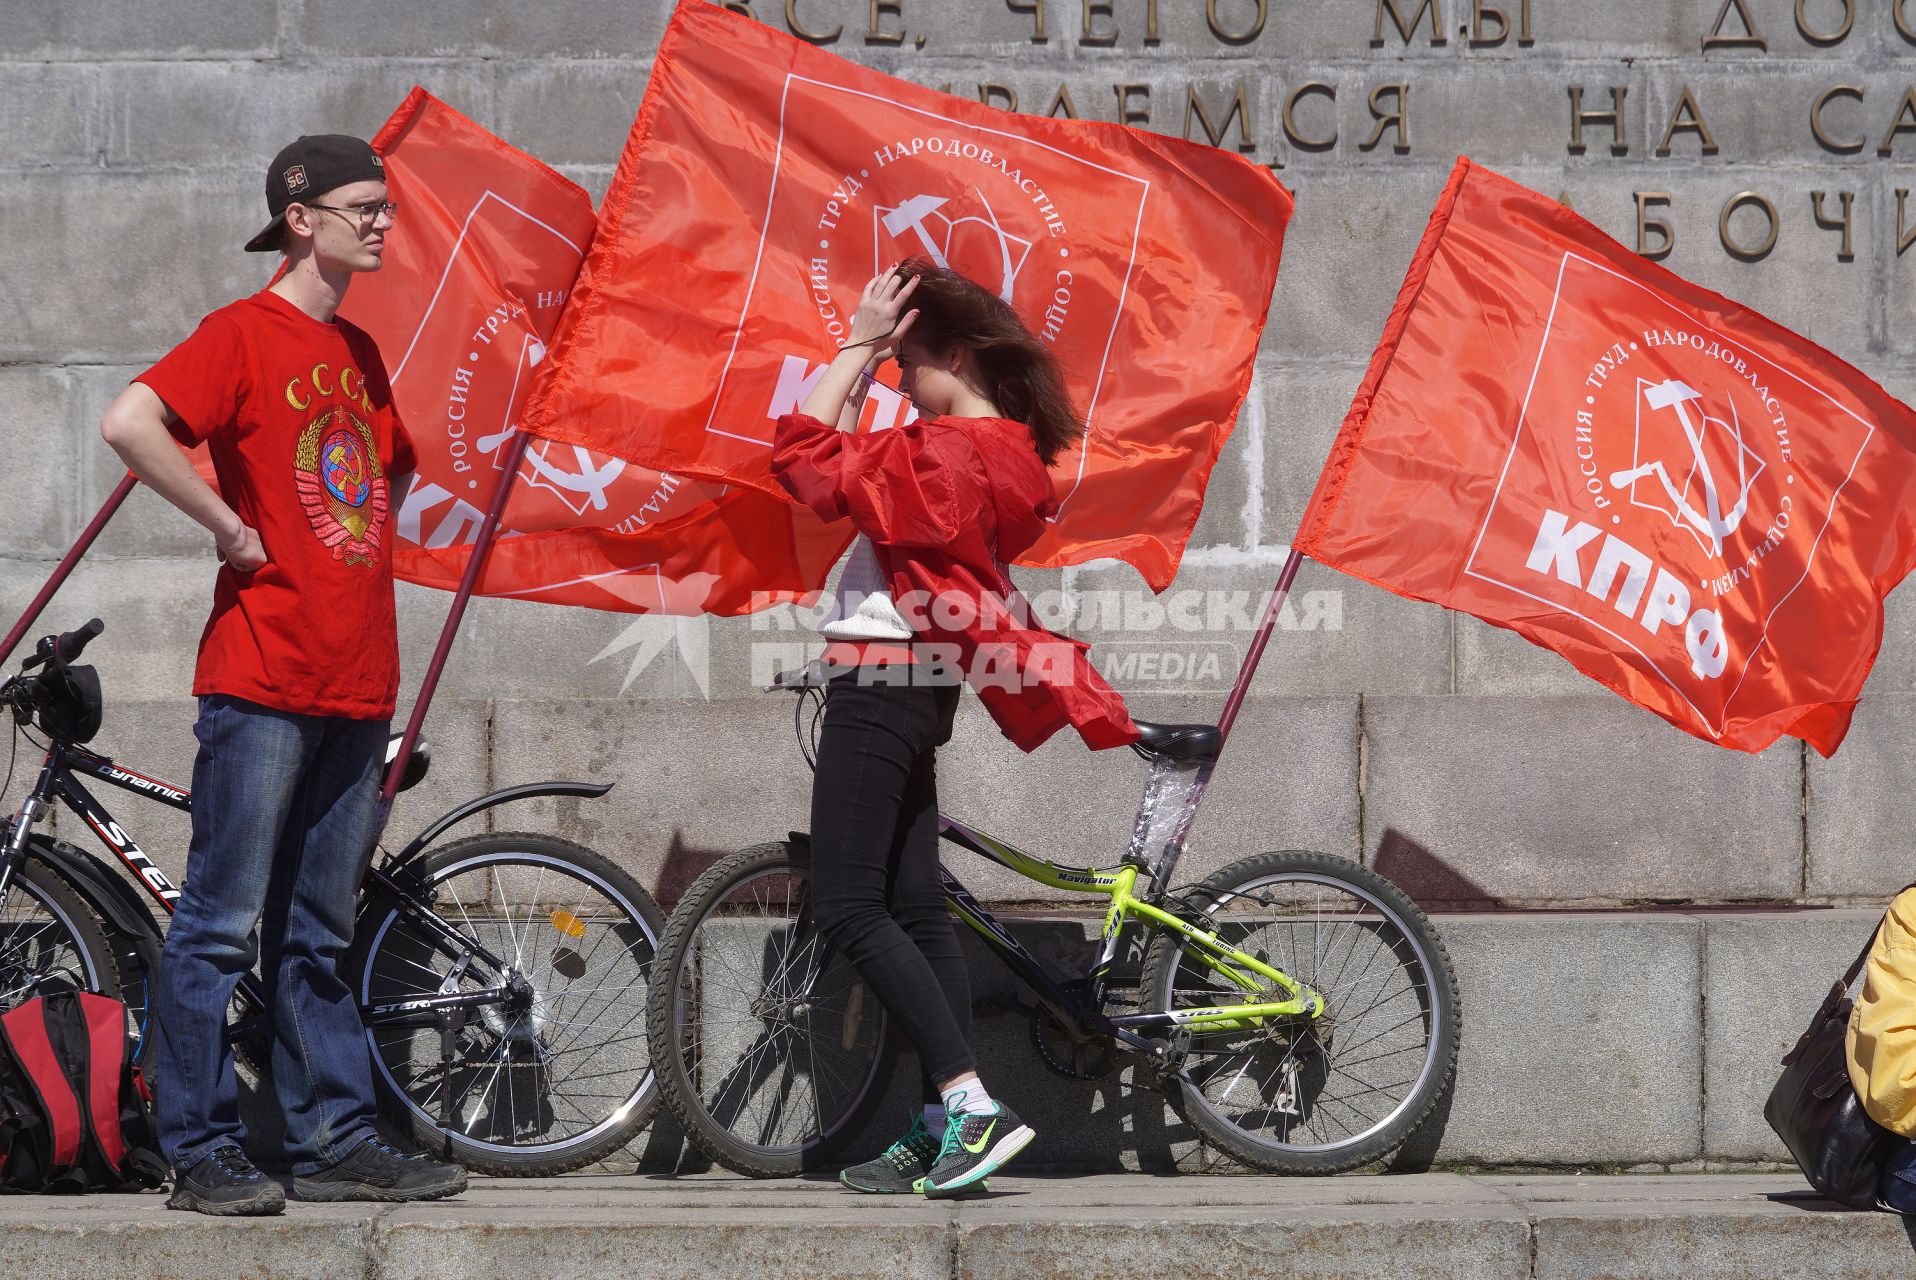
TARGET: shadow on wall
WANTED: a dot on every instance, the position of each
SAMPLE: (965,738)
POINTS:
(1096,1125)
(1114,1121)
(683,864)
(1430,881)
(1116,1118)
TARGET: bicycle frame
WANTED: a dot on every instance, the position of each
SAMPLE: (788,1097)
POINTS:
(1118,883)
(60,780)
(1238,967)
(1154,857)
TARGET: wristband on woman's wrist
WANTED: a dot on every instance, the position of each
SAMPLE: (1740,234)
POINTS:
(847,346)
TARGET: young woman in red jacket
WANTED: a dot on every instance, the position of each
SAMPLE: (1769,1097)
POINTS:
(924,603)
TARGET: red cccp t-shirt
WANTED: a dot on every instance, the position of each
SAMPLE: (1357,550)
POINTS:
(298,418)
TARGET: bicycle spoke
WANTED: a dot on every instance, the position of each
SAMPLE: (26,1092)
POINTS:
(776,1039)
(527,1070)
(39,950)
(1310,1082)
(581,1029)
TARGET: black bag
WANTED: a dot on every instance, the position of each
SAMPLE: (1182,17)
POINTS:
(1816,1112)
(73,1112)
(70,705)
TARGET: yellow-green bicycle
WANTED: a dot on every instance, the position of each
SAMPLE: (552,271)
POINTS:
(1297,1009)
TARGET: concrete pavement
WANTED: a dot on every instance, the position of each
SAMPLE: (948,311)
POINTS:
(1438,1225)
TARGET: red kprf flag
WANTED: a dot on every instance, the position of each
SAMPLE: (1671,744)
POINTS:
(479,265)
(1690,503)
(767,180)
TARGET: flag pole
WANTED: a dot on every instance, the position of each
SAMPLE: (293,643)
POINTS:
(64,569)
(475,565)
(1262,638)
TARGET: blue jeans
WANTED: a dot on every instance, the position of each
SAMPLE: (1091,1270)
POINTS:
(282,821)
(1899,1179)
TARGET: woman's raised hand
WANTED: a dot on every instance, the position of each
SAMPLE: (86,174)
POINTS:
(881,320)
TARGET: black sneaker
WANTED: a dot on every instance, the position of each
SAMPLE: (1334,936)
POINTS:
(375,1171)
(899,1170)
(225,1183)
(976,1144)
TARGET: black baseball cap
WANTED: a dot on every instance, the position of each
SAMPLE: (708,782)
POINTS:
(315,163)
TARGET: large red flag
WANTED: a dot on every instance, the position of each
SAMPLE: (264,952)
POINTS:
(1693,505)
(766,180)
(484,254)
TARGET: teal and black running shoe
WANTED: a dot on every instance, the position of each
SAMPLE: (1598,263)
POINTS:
(975,1145)
(901,1168)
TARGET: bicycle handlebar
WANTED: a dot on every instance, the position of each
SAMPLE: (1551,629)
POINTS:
(69,645)
(73,642)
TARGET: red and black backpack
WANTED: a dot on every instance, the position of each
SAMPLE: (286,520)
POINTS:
(73,1110)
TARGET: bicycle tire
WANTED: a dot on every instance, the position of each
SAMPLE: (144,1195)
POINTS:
(386,958)
(136,958)
(682,990)
(70,942)
(136,950)
(1305,1049)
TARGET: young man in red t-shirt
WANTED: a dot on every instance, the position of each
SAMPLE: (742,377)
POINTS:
(298,669)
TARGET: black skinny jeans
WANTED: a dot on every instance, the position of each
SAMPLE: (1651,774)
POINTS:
(875,890)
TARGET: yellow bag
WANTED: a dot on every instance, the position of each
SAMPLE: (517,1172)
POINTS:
(1882,1026)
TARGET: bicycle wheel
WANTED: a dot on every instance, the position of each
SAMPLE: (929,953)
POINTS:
(135,948)
(50,941)
(771,1052)
(1312,1095)
(557,1073)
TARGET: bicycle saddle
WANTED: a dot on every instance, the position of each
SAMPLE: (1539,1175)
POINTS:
(1176,741)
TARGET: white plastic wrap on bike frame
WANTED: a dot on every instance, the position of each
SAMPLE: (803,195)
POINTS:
(1170,803)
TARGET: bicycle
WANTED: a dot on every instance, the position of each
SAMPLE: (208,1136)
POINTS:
(1274,994)
(492,972)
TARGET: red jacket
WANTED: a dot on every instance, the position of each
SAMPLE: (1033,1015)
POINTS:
(945,503)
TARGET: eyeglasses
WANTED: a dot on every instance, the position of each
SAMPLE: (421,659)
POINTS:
(895,391)
(363,214)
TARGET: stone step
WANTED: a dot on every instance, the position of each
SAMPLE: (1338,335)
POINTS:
(1432,1226)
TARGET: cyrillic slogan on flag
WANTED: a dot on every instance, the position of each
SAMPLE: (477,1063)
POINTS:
(478,268)
(1690,503)
(767,180)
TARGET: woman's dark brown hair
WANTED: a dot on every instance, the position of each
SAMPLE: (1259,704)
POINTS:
(1015,369)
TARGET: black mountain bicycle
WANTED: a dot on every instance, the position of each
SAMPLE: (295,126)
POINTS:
(1297,1009)
(501,978)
